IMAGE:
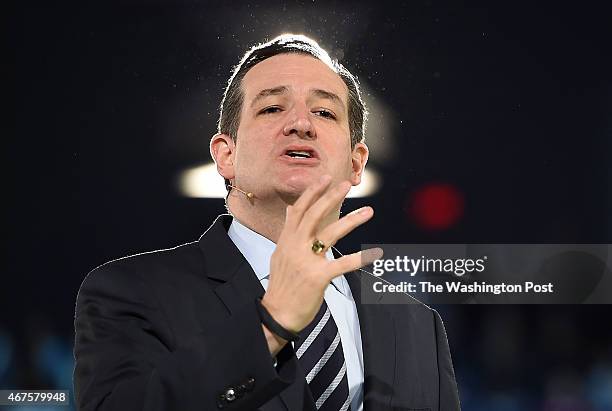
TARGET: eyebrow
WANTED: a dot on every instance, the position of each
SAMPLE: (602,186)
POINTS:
(328,95)
(269,92)
(317,92)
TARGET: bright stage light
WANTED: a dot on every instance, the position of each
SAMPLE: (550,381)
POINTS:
(202,182)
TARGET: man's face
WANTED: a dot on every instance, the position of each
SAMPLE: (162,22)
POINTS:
(293,128)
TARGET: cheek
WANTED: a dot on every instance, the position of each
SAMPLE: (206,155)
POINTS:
(340,158)
(342,147)
(255,146)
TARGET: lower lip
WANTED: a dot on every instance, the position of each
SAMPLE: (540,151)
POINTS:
(300,161)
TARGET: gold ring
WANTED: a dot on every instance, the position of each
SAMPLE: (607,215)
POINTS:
(318,246)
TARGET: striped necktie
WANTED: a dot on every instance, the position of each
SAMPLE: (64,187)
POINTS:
(319,352)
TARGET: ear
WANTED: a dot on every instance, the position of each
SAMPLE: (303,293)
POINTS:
(359,158)
(222,150)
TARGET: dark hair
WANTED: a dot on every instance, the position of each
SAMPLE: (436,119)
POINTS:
(231,104)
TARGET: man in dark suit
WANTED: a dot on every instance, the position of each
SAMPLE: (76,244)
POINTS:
(261,312)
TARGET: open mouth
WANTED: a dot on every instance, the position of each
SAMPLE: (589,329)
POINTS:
(299,154)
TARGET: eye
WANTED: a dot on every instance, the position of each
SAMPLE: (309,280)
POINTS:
(270,110)
(325,114)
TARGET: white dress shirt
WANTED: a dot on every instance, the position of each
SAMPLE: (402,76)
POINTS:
(257,250)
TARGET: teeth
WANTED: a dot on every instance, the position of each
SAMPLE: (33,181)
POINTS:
(301,154)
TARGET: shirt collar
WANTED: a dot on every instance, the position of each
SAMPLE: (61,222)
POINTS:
(257,250)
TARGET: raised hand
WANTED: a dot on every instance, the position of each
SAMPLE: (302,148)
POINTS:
(298,275)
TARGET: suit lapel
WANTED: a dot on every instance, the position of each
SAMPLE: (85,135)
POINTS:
(224,263)
(378,343)
(239,285)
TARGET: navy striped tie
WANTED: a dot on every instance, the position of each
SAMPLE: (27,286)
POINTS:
(320,354)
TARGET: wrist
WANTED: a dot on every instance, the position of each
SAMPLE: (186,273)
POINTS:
(278,315)
(275,343)
(274,326)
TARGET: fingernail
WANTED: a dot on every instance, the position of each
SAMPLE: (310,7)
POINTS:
(372,254)
(365,210)
(324,178)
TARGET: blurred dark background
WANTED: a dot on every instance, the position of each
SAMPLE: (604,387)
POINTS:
(496,117)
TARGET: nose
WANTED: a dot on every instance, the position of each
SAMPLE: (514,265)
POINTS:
(299,123)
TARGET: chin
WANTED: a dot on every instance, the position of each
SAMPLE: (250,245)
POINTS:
(300,182)
(292,188)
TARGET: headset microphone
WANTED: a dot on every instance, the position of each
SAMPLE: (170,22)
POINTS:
(249,195)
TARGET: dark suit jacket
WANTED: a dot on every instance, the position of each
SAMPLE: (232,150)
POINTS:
(175,329)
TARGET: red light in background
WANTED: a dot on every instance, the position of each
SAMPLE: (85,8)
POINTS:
(436,207)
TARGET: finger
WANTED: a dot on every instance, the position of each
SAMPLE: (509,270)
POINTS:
(309,196)
(352,262)
(323,206)
(338,229)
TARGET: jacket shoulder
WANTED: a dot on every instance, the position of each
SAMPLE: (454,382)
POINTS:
(147,266)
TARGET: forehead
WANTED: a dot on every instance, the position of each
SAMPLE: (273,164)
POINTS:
(299,72)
